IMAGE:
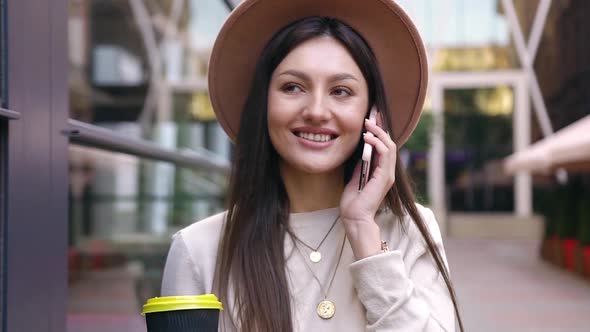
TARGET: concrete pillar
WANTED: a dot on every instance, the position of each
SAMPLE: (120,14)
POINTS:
(159,182)
(192,181)
(115,187)
(521,133)
(436,158)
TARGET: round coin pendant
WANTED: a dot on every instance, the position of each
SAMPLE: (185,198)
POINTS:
(315,256)
(326,309)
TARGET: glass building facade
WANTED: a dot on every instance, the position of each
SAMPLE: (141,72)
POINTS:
(138,70)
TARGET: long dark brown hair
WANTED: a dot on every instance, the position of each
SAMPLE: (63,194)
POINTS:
(251,257)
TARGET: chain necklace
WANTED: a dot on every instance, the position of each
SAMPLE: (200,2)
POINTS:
(315,256)
(325,308)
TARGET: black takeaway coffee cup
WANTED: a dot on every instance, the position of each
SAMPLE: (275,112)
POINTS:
(194,313)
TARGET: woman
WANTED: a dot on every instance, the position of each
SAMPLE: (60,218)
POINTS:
(301,247)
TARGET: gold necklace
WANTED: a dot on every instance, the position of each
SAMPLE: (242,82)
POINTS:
(326,308)
(315,256)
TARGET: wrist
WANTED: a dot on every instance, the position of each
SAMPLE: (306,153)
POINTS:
(364,238)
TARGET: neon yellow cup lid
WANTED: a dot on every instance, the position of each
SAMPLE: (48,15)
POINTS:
(186,302)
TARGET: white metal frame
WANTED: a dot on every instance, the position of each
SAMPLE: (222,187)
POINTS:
(524,82)
(440,82)
(527,53)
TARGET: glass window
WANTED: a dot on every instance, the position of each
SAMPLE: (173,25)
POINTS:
(137,68)
(123,211)
(478,134)
(459,23)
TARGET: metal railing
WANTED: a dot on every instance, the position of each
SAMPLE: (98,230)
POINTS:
(85,134)
(8,114)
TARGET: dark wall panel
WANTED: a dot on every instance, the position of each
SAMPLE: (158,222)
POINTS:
(3,53)
(36,229)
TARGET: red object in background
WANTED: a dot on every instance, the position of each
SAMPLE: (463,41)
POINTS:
(569,253)
(74,264)
(586,260)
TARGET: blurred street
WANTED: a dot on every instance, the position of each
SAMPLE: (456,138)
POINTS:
(502,286)
(104,301)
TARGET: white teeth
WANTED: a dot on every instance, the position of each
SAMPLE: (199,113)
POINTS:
(315,137)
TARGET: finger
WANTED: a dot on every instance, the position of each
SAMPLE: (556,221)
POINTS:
(386,157)
(377,144)
(380,133)
(384,166)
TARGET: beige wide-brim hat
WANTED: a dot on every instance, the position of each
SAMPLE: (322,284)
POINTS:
(385,26)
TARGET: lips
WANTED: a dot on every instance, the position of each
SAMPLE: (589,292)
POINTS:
(315,134)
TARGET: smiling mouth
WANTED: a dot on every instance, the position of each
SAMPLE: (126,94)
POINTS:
(315,137)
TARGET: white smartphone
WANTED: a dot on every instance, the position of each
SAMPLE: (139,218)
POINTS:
(367,154)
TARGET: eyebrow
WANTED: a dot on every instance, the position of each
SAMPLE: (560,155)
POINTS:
(332,78)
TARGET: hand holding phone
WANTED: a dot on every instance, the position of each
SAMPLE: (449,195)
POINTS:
(367,154)
(375,173)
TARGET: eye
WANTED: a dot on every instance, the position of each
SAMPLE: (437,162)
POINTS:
(291,88)
(342,92)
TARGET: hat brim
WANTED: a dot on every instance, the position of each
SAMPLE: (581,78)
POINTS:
(388,30)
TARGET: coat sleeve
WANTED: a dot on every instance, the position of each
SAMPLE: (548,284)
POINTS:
(403,290)
(181,276)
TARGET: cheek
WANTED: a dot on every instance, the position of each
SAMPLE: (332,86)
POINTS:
(352,116)
(277,120)
(273,114)
(357,125)
(354,122)
(276,109)
(275,125)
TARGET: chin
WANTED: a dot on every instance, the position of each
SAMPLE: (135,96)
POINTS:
(318,167)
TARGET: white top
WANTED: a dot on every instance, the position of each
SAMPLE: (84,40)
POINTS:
(401,290)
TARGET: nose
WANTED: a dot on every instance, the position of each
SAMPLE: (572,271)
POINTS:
(317,110)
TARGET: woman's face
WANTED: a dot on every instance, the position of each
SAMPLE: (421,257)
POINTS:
(317,101)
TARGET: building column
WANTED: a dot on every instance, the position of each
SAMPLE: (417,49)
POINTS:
(436,158)
(521,133)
